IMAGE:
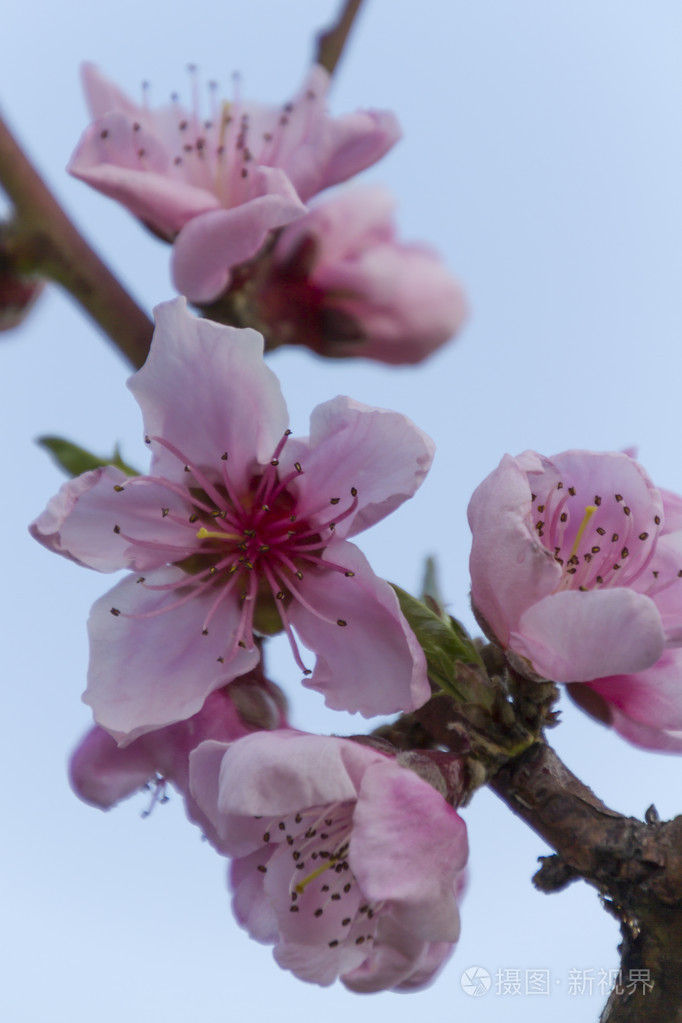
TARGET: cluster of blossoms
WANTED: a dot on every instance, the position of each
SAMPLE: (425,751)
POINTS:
(226,190)
(241,530)
(348,856)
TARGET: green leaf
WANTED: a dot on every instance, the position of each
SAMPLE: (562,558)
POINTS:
(450,651)
(75,460)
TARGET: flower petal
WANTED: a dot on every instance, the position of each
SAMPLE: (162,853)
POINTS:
(208,247)
(89,518)
(146,673)
(376,643)
(206,389)
(102,774)
(133,167)
(400,821)
(510,569)
(577,637)
(646,707)
(382,454)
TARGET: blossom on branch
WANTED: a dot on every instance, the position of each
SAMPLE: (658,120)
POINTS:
(239,528)
(350,864)
(217,187)
(338,281)
(576,571)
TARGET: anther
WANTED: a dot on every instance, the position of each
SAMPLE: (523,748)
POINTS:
(353,492)
(349,575)
(117,529)
(657,520)
(118,488)
(262,869)
(334,500)
(571,491)
(204,632)
(115,612)
(164,512)
(297,467)
(643,536)
(341,621)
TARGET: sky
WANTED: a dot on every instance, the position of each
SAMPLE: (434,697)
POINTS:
(542,157)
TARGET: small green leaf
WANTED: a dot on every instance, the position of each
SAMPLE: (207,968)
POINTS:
(450,652)
(75,460)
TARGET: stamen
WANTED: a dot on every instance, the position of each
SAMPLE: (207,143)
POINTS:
(589,512)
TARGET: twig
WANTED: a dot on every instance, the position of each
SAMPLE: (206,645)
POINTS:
(331,41)
(45,241)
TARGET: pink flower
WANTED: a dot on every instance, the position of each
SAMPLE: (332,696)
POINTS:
(576,568)
(339,281)
(348,863)
(223,184)
(239,527)
(102,773)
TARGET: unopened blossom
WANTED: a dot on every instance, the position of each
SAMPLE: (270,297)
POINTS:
(218,186)
(349,864)
(576,570)
(340,282)
(239,527)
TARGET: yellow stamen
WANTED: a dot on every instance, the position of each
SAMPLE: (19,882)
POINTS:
(207,534)
(589,512)
(301,886)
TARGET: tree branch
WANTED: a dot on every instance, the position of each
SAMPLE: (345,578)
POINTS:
(45,241)
(331,41)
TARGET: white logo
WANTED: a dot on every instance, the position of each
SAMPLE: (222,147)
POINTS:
(475,981)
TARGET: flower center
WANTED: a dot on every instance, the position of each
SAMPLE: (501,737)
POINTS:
(597,541)
(322,889)
(249,546)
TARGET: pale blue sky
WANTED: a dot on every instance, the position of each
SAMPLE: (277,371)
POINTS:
(543,157)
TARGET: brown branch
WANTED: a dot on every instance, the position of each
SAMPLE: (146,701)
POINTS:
(47,243)
(636,867)
(331,41)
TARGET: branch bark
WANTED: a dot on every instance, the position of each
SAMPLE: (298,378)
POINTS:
(331,41)
(46,242)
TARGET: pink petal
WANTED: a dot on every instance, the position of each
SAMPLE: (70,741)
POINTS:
(80,522)
(382,454)
(205,389)
(396,957)
(510,569)
(356,142)
(251,905)
(278,773)
(102,774)
(376,644)
(400,821)
(108,158)
(646,707)
(577,637)
(404,298)
(102,95)
(208,247)
(146,673)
